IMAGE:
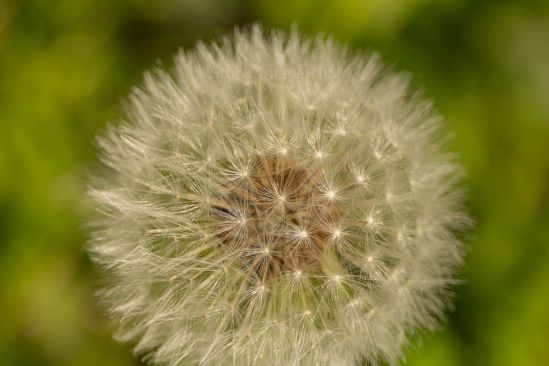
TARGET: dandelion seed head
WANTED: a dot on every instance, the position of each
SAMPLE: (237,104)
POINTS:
(311,189)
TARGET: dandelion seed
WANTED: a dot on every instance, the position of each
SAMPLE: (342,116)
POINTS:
(268,144)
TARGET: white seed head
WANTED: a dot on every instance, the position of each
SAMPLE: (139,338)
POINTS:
(246,218)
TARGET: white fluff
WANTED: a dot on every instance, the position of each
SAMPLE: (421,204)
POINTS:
(276,201)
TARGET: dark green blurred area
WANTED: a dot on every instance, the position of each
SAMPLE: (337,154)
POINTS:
(66,65)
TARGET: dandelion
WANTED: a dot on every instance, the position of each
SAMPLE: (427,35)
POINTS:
(276,200)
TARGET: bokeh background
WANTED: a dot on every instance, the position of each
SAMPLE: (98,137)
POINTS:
(65,66)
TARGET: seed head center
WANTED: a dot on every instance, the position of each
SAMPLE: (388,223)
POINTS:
(283,219)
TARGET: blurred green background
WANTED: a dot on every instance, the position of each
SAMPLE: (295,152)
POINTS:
(65,66)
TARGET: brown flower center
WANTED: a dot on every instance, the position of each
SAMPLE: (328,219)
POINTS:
(278,216)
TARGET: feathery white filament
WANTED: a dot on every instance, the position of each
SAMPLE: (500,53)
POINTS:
(275,201)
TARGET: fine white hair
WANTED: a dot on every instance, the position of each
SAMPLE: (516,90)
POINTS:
(276,200)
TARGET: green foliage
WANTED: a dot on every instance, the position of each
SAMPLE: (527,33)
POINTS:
(65,64)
